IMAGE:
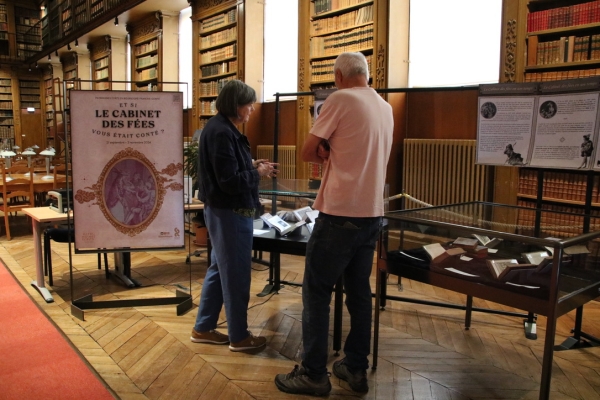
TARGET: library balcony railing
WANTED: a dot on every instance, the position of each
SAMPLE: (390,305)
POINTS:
(67,20)
(17,47)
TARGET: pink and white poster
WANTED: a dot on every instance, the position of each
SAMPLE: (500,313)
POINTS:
(127,160)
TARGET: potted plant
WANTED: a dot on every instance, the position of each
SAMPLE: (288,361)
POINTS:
(190,168)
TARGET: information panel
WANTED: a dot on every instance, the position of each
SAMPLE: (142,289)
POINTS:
(127,169)
(548,124)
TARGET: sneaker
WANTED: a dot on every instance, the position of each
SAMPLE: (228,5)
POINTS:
(298,382)
(356,380)
(250,343)
(211,336)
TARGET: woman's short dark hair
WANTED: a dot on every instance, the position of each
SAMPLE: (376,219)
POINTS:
(234,94)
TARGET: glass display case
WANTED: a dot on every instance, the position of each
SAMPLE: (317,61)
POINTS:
(548,265)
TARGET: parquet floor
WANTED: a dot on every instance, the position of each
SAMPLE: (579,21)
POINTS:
(425,352)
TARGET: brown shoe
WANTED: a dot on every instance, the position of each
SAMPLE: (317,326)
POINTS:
(211,336)
(250,343)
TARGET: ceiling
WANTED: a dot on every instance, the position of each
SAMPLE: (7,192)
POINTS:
(129,16)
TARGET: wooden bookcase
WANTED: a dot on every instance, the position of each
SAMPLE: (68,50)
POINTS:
(7,115)
(53,101)
(546,41)
(100,55)
(152,41)
(325,32)
(4,36)
(28,32)
(29,94)
(219,37)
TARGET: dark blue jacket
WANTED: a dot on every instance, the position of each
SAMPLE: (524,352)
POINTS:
(226,175)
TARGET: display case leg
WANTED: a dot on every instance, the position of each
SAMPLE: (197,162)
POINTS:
(530,327)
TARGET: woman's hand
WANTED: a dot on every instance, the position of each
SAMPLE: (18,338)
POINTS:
(266,168)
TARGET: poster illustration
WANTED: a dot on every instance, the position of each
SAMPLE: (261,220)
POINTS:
(504,134)
(563,123)
(127,169)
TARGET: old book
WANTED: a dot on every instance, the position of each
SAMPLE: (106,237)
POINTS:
(434,250)
(283,227)
(487,241)
(301,213)
(535,257)
(455,251)
(479,252)
(500,268)
(465,243)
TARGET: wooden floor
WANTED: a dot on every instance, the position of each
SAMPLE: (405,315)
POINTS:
(425,352)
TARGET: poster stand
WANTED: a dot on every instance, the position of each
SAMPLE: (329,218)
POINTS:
(182,299)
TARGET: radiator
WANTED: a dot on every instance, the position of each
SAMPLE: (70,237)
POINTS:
(286,159)
(442,171)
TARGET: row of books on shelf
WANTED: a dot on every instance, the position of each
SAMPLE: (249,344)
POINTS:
(6,105)
(101,63)
(3,17)
(7,131)
(224,36)
(322,6)
(146,74)
(97,8)
(147,88)
(354,40)
(558,185)
(27,12)
(29,46)
(7,121)
(322,70)
(103,73)
(68,75)
(218,54)
(213,88)
(561,75)
(146,47)
(28,104)
(3,26)
(208,107)
(218,21)
(6,97)
(562,17)
(102,86)
(66,14)
(30,98)
(561,220)
(348,20)
(146,61)
(5,82)
(5,89)
(568,49)
(29,90)
(49,109)
(218,69)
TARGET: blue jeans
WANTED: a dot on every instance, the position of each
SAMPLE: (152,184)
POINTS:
(227,280)
(338,246)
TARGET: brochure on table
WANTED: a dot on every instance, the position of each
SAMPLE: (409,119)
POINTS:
(539,124)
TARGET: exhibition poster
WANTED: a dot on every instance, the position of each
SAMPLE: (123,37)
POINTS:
(127,169)
(547,124)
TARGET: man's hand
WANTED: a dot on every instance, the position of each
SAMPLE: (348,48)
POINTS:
(323,150)
(266,168)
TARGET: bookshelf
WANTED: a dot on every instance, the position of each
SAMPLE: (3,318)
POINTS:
(53,101)
(66,17)
(29,94)
(328,28)
(7,120)
(100,55)
(219,43)
(547,41)
(70,71)
(152,41)
(28,32)
(562,40)
(4,36)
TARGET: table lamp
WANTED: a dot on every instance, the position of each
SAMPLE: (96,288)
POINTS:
(28,153)
(49,153)
(7,154)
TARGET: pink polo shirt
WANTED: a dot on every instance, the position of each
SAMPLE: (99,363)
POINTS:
(359,126)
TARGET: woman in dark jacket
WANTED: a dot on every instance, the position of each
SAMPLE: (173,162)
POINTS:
(228,186)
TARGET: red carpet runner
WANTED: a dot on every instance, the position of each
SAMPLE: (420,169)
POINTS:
(36,361)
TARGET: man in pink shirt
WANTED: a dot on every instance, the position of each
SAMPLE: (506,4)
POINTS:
(352,138)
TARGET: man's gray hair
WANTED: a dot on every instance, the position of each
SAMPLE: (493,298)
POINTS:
(351,64)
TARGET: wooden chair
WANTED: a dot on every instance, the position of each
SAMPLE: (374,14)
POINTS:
(17,193)
(60,176)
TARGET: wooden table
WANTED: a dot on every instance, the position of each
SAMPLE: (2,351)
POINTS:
(39,217)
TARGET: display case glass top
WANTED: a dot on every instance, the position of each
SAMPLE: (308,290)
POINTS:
(287,187)
(551,257)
